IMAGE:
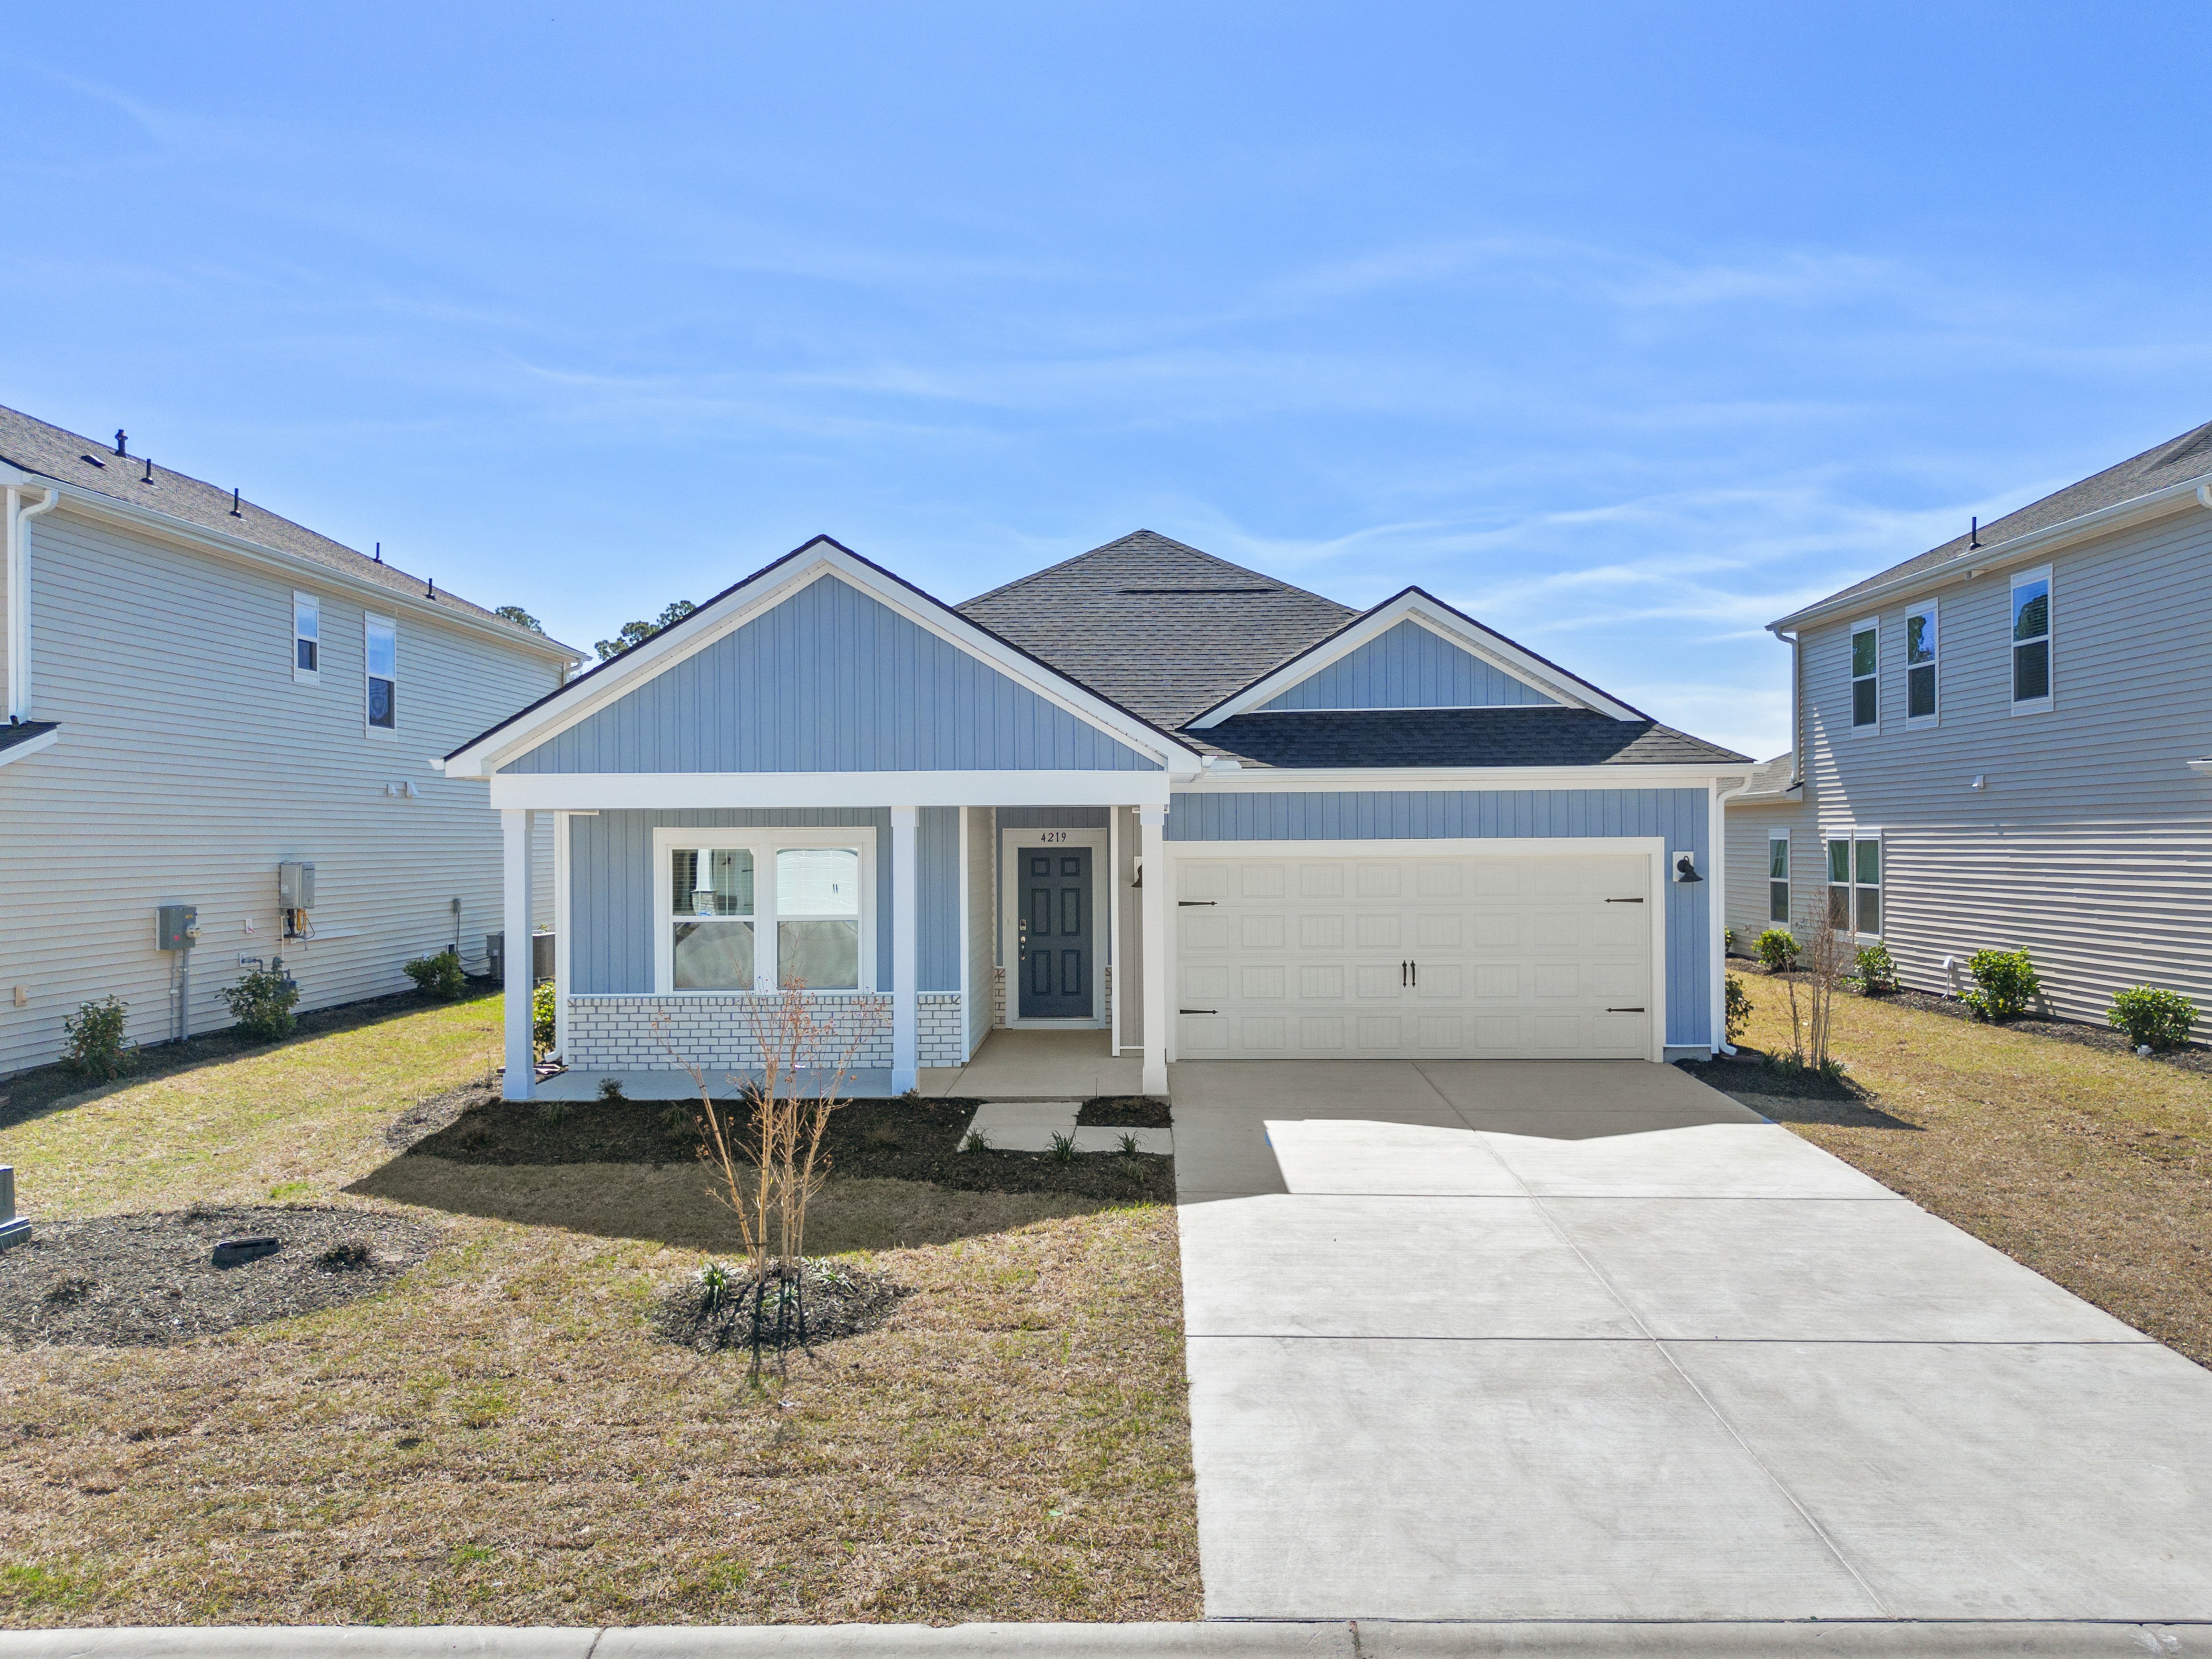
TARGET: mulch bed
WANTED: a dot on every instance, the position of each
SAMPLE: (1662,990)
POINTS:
(909,1139)
(142,1280)
(1124,1112)
(838,1302)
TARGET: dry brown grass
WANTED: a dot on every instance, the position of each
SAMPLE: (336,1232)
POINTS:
(2091,1167)
(499,1438)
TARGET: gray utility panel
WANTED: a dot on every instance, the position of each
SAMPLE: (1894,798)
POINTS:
(295,886)
(178,926)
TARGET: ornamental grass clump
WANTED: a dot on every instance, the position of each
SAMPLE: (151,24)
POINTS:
(2004,983)
(2153,1019)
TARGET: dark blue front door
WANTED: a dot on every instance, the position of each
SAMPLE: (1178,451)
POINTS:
(1054,894)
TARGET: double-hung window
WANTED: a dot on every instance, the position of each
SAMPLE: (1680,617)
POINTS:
(381,640)
(2030,641)
(751,909)
(307,639)
(1777,875)
(1855,883)
(1866,659)
(1920,648)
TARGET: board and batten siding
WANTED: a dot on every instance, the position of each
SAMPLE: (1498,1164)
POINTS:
(611,907)
(2090,843)
(1409,666)
(830,680)
(191,764)
(1679,817)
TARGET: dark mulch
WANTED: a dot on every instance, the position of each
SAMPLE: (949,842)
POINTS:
(909,1139)
(837,1300)
(1124,1112)
(139,1280)
(1753,1072)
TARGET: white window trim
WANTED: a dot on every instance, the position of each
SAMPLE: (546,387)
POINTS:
(1926,609)
(2044,704)
(1789,880)
(1853,834)
(1011,841)
(381,733)
(307,675)
(1865,625)
(764,844)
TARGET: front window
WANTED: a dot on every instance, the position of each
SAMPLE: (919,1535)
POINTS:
(2031,639)
(1866,703)
(749,910)
(1920,664)
(1777,878)
(1855,883)
(818,908)
(307,637)
(383,642)
(711,895)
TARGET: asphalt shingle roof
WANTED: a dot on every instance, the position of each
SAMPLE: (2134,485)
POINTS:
(15,732)
(53,452)
(2178,461)
(1459,737)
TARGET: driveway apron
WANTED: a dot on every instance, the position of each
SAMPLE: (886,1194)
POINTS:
(1588,1340)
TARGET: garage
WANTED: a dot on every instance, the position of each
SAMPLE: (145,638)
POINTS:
(1474,954)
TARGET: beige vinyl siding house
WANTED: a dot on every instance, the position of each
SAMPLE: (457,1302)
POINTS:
(2043,786)
(191,752)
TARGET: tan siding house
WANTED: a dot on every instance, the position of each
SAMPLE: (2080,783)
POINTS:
(2004,745)
(179,750)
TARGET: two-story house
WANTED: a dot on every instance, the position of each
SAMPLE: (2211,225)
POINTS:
(2002,743)
(204,698)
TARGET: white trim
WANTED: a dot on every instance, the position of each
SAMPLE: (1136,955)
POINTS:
(1113,926)
(514,857)
(1352,780)
(1159,1030)
(1652,848)
(1010,841)
(314,605)
(1864,625)
(1468,635)
(1927,607)
(675,790)
(2048,701)
(369,619)
(770,841)
(967,962)
(905,948)
(14,752)
(742,605)
(564,946)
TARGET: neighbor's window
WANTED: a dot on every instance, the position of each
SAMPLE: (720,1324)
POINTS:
(1839,882)
(1777,877)
(758,910)
(1866,702)
(383,640)
(1855,883)
(817,917)
(2031,639)
(710,892)
(307,637)
(1866,876)
(1920,664)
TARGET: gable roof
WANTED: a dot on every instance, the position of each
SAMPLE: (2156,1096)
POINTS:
(2183,460)
(38,446)
(1529,736)
(1770,781)
(1156,626)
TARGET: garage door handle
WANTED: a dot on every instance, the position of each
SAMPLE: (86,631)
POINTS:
(1186,904)
(1623,1011)
(1198,1010)
(1623,901)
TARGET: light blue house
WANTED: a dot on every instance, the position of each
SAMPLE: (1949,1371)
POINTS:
(1145,793)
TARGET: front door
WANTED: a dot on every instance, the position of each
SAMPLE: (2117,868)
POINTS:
(1052,900)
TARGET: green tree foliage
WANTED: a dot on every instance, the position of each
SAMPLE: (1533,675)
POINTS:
(520,617)
(635,634)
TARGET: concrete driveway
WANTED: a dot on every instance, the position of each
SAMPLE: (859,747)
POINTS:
(1588,1340)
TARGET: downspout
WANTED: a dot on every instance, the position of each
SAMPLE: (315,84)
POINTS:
(2204,495)
(1796,708)
(19,596)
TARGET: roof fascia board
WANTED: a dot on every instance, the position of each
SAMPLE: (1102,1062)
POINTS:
(308,571)
(764,592)
(2028,546)
(1452,626)
(677,791)
(1273,779)
(14,752)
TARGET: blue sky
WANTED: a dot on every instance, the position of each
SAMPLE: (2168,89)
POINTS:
(1623,328)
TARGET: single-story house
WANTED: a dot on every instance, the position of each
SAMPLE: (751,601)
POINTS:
(1145,792)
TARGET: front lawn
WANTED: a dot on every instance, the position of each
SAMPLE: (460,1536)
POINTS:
(499,1437)
(2089,1165)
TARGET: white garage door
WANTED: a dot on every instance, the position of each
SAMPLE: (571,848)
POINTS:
(1506,956)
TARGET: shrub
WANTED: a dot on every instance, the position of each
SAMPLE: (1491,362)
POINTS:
(1738,1006)
(542,1013)
(1873,972)
(262,1004)
(438,975)
(1778,950)
(2003,983)
(96,1047)
(2153,1019)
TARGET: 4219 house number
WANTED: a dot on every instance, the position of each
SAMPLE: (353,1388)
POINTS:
(1050,836)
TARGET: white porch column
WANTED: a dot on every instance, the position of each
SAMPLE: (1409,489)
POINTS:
(521,1064)
(1153,842)
(906,951)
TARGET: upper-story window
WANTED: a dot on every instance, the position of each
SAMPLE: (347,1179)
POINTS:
(2030,641)
(1920,649)
(382,639)
(1866,699)
(307,639)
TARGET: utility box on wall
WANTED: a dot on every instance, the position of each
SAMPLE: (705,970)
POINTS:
(295,886)
(178,926)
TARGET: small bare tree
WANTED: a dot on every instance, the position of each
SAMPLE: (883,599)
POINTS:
(1824,960)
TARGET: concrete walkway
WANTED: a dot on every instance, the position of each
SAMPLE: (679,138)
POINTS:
(1589,1341)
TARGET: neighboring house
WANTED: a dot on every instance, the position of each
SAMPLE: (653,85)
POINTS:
(1146,792)
(1763,831)
(2004,745)
(198,691)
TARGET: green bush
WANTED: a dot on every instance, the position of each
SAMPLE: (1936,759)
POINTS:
(1739,1008)
(262,1004)
(438,975)
(2003,983)
(1873,972)
(1778,950)
(96,1047)
(2152,1017)
(542,1014)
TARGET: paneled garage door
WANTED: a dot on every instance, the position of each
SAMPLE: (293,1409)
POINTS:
(1510,956)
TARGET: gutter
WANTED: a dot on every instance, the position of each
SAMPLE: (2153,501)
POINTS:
(19,592)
